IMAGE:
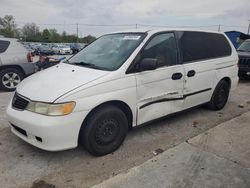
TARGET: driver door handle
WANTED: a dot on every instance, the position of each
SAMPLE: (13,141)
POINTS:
(177,76)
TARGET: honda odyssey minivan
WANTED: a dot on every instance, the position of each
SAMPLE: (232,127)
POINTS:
(119,81)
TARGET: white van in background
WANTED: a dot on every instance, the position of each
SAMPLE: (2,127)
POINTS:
(119,81)
(14,63)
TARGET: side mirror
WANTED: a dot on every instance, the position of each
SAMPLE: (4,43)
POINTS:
(147,64)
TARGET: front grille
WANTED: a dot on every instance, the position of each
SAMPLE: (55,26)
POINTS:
(18,129)
(244,62)
(19,102)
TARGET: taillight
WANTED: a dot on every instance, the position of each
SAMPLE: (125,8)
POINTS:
(29,57)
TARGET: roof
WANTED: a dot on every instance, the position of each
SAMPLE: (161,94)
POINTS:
(157,30)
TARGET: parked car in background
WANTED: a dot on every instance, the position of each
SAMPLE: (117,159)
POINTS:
(30,49)
(15,63)
(55,48)
(244,59)
(61,49)
(119,81)
(35,46)
(75,48)
(44,50)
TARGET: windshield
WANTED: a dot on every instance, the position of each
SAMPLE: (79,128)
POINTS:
(108,52)
(245,46)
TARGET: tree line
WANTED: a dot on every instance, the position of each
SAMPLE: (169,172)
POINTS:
(30,32)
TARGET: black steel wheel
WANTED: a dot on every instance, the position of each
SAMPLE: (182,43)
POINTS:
(220,96)
(104,130)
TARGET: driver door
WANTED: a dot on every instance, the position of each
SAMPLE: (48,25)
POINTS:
(160,91)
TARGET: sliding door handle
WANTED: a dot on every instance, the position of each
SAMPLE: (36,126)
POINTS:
(191,73)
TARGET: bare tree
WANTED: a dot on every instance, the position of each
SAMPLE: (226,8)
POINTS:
(31,31)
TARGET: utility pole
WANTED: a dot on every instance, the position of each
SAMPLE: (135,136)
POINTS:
(77,30)
(136,26)
(64,25)
(248,27)
(219,28)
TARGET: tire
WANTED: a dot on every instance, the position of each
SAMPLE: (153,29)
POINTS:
(10,78)
(220,96)
(104,130)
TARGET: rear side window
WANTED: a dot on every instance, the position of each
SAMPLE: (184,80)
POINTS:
(4,45)
(197,46)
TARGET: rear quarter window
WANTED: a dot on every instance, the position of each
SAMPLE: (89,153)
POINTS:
(4,45)
(196,46)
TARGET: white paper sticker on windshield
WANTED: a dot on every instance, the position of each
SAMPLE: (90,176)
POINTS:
(131,37)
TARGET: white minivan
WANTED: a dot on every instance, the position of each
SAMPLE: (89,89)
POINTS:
(122,80)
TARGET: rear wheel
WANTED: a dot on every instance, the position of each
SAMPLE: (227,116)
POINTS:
(220,96)
(10,78)
(104,131)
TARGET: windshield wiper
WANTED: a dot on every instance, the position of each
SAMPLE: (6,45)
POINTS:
(66,61)
(84,64)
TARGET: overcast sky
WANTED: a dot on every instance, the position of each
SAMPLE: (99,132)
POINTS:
(174,13)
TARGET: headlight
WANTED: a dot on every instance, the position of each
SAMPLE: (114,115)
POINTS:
(51,109)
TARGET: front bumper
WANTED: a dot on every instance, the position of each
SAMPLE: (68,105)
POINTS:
(46,132)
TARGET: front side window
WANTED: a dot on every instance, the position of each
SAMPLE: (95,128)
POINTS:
(244,47)
(108,52)
(163,48)
(4,45)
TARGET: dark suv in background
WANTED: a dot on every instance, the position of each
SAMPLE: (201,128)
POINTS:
(244,59)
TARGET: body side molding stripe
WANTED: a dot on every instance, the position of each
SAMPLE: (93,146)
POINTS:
(225,67)
(174,99)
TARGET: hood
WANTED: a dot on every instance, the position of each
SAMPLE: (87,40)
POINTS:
(244,54)
(50,84)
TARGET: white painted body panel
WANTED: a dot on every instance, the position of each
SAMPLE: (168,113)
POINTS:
(208,74)
(50,84)
(90,88)
(158,85)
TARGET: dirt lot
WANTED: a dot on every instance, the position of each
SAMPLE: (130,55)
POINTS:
(21,164)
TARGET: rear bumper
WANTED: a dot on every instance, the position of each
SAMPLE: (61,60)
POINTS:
(234,82)
(28,68)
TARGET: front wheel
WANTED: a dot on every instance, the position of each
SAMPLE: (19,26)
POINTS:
(220,96)
(10,78)
(104,131)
